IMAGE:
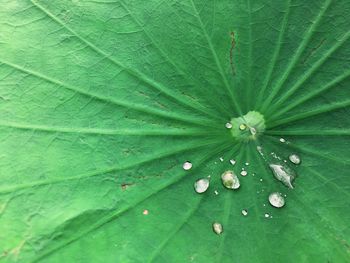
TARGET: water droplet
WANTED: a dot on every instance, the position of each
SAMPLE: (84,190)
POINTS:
(228,125)
(217,228)
(284,174)
(187,165)
(242,127)
(201,185)
(261,180)
(276,200)
(244,212)
(216,192)
(294,158)
(145,212)
(252,131)
(282,140)
(221,159)
(233,162)
(230,180)
(247,164)
(244,173)
(267,215)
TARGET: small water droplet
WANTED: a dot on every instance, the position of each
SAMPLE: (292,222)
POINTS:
(145,212)
(267,215)
(247,164)
(261,180)
(244,212)
(228,125)
(217,228)
(233,162)
(242,127)
(244,173)
(294,158)
(283,173)
(221,159)
(282,140)
(187,165)
(252,131)
(216,192)
(201,185)
(276,200)
(230,180)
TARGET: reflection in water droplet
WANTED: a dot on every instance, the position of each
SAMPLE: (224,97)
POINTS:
(244,173)
(294,158)
(230,180)
(217,227)
(228,125)
(187,165)
(276,200)
(284,174)
(242,127)
(244,212)
(252,131)
(233,162)
(201,185)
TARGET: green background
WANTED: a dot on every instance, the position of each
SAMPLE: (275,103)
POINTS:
(101,102)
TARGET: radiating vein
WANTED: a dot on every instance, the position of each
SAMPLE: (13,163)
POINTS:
(177,178)
(137,132)
(170,236)
(114,101)
(276,53)
(309,132)
(165,55)
(216,59)
(139,75)
(155,156)
(308,74)
(310,113)
(295,58)
(312,94)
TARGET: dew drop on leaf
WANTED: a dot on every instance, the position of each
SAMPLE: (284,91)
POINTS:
(228,125)
(230,180)
(187,165)
(217,228)
(294,158)
(242,127)
(221,159)
(233,162)
(282,140)
(201,185)
(145,212)
(252,131)
(276,200)
(244,173)
(283,173)
(267,215)
(244,212)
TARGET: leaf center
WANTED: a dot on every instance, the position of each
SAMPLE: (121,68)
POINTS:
(248,126)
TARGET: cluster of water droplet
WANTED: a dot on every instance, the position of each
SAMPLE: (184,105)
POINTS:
(281,170)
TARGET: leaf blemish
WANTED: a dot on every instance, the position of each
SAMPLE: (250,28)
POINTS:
(233,45)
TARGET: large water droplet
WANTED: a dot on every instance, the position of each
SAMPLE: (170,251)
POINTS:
(187,165)
(294,158)
(230,180)
(201,185)
(284,174)
(276,200)
(217,228)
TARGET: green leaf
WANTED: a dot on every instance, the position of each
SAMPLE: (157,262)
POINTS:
(102,101)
